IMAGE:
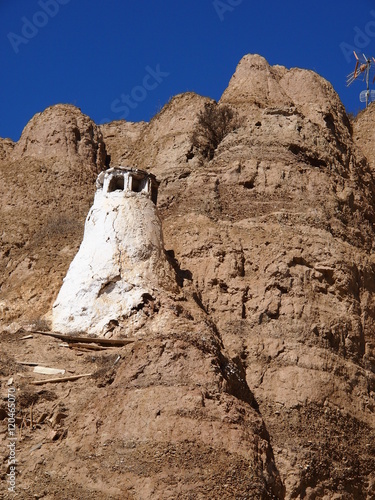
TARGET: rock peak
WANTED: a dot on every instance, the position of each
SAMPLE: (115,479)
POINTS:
(255,82)
(62,130)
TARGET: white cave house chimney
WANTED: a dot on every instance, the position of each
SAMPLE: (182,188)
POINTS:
(121,262)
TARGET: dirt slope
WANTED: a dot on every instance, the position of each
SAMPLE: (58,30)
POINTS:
(256,379)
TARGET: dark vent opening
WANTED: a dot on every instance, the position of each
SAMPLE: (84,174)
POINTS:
(137,185)
(116,184)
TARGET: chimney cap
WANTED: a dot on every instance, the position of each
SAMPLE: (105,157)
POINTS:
(121,168)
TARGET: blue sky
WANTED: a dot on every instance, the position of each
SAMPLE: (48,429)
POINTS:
(125,59)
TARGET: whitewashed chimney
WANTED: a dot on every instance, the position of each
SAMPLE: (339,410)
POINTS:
(121,262)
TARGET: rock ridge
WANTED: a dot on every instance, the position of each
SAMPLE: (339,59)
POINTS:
(258,370)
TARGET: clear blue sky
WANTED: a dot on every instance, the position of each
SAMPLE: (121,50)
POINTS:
(95,53)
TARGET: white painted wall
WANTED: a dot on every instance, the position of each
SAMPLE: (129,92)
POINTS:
(121,258)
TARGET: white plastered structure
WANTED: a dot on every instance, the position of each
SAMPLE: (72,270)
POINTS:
(121,260)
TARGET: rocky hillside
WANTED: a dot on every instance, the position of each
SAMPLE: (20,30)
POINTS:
(256,377)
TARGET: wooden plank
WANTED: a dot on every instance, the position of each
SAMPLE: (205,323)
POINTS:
(86,340)
(46,370)
(61,379)
(89,347)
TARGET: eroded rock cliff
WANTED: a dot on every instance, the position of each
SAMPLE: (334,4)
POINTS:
(257,376)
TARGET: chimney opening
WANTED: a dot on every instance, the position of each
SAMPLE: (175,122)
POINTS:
(116,183)
(138,184)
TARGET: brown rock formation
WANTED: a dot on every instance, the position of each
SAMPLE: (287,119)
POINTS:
(46,189)
(6,147)
(261,369)
(62,132)
(119,137)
